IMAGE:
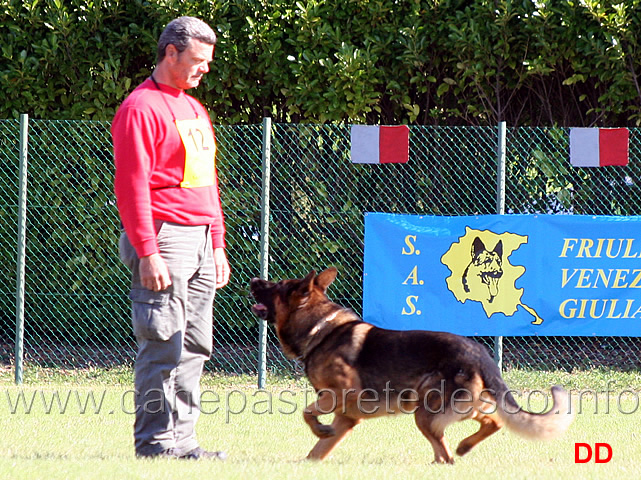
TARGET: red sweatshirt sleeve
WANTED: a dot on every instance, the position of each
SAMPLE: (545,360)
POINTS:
(132,134)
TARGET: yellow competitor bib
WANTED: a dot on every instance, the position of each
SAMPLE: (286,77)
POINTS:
(200,153)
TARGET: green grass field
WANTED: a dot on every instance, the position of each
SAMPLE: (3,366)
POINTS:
(78,425)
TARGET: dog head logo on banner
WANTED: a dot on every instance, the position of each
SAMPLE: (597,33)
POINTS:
(481,271)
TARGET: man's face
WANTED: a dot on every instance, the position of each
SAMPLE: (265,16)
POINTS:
(188,66)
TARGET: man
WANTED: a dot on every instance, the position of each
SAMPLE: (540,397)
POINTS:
(173,240)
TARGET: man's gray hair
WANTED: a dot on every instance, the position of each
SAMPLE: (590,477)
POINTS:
(179,31)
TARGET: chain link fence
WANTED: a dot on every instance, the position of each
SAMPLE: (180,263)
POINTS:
(76,304)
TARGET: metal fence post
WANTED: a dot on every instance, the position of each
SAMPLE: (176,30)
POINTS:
(22,240)
(500,209)
(264,245)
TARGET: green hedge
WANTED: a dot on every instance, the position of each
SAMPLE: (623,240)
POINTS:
(426,62)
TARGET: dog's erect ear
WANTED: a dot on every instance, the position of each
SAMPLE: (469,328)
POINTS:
(499,249)
(477,247)
(308,281)
(326,277)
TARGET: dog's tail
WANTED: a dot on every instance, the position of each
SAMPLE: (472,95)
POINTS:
(535,426)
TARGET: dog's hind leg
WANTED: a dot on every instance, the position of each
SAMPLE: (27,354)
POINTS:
(489,425)
(434,431)
(341,426)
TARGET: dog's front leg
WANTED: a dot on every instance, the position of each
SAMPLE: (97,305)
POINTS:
(341,427)
(326,403)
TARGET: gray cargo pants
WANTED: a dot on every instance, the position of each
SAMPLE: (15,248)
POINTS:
(173,329)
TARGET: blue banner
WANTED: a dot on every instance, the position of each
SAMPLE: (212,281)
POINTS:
(504,274)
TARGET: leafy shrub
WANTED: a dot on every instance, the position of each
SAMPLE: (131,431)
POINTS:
(451,62)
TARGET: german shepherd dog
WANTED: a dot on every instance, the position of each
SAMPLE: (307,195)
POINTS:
(360,371)
(485,270)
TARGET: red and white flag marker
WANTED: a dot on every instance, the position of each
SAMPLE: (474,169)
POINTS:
(380,144)
(599,147)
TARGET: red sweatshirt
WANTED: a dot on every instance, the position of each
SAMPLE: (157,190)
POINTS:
(150,163)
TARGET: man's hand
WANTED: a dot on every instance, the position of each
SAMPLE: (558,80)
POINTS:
(222,267)
(154,274)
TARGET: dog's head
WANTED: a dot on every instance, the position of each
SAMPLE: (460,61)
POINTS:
(277,300)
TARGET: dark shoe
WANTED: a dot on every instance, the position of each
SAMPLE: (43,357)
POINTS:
(169,453)
(198,453)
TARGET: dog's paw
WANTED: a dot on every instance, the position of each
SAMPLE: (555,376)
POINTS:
(439,460)
(463,448)
(324,431)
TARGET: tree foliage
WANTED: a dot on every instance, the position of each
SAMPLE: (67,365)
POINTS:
(425,62)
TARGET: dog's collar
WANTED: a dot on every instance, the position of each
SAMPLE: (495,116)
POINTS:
(319,326)
(314,339)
